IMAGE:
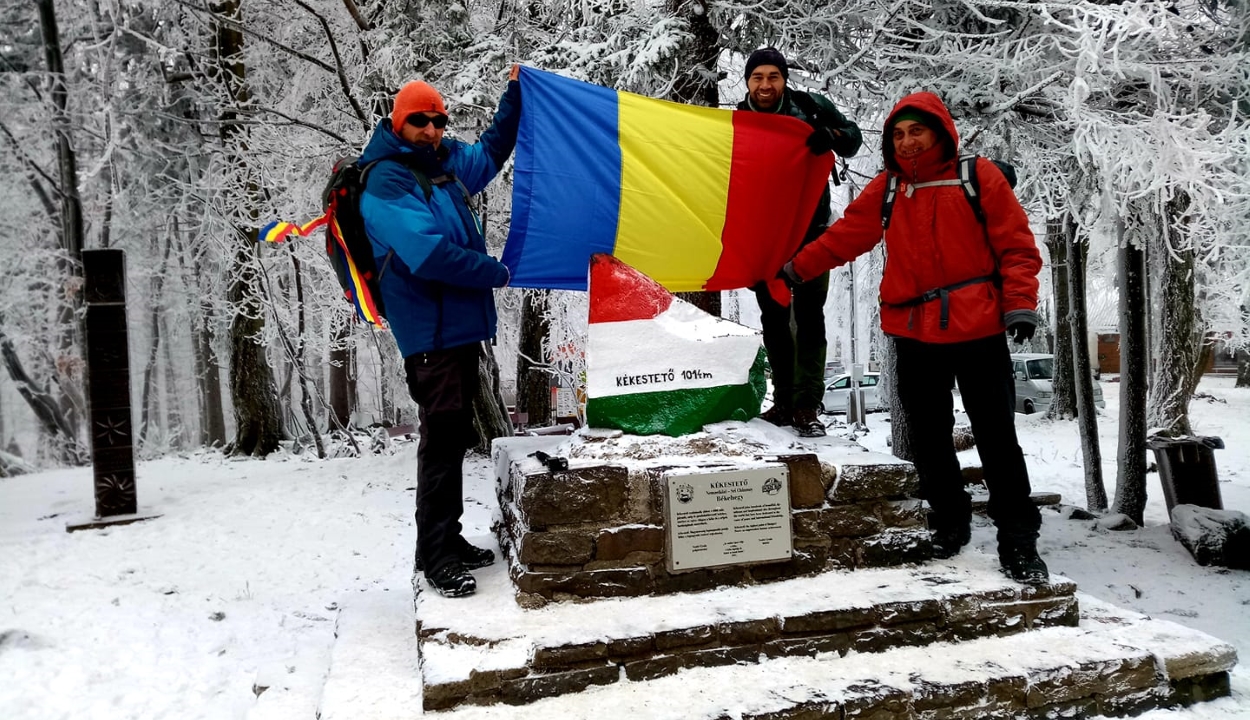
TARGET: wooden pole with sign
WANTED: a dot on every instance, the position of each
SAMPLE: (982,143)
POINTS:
(108,391)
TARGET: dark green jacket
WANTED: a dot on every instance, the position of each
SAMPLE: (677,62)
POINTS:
(817,111)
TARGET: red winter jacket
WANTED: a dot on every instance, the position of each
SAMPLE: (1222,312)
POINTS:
(935,241)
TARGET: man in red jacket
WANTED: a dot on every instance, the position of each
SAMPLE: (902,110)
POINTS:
(952,285)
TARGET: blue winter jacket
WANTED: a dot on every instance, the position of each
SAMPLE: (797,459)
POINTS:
(437,285)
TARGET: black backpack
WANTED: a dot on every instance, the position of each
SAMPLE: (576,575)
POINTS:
(967,180)
(347,244)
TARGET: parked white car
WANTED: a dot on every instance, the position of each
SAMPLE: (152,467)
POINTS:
(1034,390)
(838,393)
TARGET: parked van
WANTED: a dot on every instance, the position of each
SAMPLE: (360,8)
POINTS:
(1034,372)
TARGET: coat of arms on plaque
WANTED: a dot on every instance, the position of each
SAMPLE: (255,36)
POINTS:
(685,493)
(771,486)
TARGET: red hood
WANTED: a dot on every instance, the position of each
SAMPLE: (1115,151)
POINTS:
(929,104)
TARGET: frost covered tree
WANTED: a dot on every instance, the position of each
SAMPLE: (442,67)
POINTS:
(1112,112)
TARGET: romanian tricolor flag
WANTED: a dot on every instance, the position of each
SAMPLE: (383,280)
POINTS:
(355,289)
(697,198)
(278,231)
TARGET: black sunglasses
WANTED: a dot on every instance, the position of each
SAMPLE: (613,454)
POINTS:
(419,120)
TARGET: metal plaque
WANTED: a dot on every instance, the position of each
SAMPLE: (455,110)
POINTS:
(728,517)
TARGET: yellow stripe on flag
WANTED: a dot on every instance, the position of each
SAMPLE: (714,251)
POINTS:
(675,163)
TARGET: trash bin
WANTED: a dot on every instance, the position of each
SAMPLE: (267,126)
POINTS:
(1187,470)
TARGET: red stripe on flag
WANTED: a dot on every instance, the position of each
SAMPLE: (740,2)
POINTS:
(759,237)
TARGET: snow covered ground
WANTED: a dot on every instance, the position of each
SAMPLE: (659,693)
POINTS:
(237,585)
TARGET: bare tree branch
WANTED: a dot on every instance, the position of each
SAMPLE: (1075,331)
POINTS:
(235,24)
(25,78)
(338,64)
(354,11)
(302,123)
(34,168)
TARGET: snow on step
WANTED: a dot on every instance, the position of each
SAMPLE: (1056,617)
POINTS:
(492,614)
(374,669)
(1115,662)
(482,650)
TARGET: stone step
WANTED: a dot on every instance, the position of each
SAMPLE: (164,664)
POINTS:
(485,649)
(1114,663)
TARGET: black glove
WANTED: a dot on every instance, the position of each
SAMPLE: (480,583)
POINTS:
(1021,330)
(821,140)
(788,274)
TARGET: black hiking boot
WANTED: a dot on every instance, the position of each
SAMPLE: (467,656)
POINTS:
(1023,564)
(947,542)
(452,580)
(808,423)
(473,557)
(778,415)
(470,556)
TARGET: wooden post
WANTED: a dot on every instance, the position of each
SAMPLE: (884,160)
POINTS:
(108,381)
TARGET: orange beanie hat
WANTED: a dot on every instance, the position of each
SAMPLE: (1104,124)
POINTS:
(415,97)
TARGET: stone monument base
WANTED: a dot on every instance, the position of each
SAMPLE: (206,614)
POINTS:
(585,615)
(485,650)
(596,528)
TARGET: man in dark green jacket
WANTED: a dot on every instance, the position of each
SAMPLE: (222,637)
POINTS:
(798,359)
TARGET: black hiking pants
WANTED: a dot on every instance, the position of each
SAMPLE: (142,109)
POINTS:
(927,373)
(797,357)
(443,383)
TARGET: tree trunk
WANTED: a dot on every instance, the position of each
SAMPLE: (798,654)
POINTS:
(490,414)
(154,325)
(1063,400)
(388,362)
(149,373)
(296,348)
(212,421)
(341,378)
(71,205)
(69,265)
(900,424)
(1082,373)
(258,415)
(707,301)
(698,77)
(696,84)
(208,381)
(1178,338)
(532,379)
(286,394)
(51,419)
(1130,485)
(173,396)
(1243,368)
(252,389)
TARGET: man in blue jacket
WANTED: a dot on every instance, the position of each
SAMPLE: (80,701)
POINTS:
(437,283)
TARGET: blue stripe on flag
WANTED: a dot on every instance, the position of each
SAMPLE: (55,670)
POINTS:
(568,142)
